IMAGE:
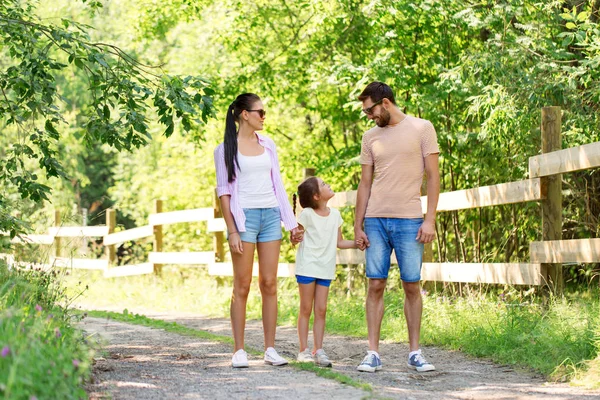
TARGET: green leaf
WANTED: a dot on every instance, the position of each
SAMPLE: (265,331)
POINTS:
(570,25)
(51,130)
(170,128)
(582,16)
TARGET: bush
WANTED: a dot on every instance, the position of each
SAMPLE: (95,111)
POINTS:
(43,355)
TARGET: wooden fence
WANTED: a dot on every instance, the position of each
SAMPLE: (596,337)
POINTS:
(543,185)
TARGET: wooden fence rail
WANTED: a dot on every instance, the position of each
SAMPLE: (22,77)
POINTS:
(545,256)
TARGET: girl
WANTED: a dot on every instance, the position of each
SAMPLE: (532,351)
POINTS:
(254,203)
(315,263)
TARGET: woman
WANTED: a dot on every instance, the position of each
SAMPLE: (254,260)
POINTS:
(254,203)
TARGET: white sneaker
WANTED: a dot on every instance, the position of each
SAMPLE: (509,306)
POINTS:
(239,359)
(305,356)
(272,358)
(321,359)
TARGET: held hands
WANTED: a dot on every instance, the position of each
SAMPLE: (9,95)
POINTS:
(235,243)
(426,232)
(297,235)
(361,239)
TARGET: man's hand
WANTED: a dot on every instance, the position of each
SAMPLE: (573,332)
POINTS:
(361,239)
(426,232)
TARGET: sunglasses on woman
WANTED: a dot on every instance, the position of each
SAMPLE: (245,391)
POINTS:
(260,112)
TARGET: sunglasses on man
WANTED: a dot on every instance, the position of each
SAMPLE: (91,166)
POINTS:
(369,110)
(260,112)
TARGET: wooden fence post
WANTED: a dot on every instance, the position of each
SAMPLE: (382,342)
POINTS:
(308,172)
(57,244)
(551,187)
(158,236)
(428,247)
(219,238)
(111,222)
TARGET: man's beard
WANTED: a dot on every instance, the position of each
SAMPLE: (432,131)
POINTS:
(384,118)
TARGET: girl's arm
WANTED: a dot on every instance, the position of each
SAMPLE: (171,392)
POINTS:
(345,244)
(297,236)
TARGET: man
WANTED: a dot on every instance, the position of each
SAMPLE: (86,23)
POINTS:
(394,155)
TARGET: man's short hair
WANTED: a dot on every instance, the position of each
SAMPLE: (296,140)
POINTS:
(377,91)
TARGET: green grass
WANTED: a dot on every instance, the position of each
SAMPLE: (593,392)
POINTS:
(558,337)
(43,354)
(184,330)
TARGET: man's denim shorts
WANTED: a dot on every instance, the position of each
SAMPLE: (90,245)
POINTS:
(398,234)
(305,280)
(262,225)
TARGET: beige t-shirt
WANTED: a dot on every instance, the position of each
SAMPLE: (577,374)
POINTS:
(316,253)
(398,154)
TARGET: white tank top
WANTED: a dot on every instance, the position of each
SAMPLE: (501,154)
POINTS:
(255,186)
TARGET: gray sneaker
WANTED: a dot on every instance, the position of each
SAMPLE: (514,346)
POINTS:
(418,362)
(370,363)
(305,356)
(321,359)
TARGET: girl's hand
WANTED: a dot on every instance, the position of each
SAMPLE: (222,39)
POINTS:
(235,243)
(297,235)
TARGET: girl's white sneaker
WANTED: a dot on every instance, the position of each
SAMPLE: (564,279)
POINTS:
(239,359)
(321,359)
(305,356)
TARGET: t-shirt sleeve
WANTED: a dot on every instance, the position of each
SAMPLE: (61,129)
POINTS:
(429,144)
(339,220)
(366,156)
(303,218)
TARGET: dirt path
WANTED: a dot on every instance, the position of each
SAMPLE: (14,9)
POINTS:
(150,363)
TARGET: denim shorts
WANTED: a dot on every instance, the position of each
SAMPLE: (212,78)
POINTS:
(262,225)
(398,234)
(309,279)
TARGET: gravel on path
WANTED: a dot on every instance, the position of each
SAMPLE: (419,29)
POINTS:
(457,375)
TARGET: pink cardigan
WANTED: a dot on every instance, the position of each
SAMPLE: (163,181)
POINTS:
(231,189)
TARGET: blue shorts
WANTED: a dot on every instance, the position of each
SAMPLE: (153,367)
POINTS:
(262,225)
(305,280)
(398,234)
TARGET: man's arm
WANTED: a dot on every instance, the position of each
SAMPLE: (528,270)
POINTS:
(362,198)
(426,232)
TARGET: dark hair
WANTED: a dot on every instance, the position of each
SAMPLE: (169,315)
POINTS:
(306,193)
(377,91)
(244,101)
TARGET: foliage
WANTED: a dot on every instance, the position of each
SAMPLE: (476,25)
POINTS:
(43,354)
(122,91)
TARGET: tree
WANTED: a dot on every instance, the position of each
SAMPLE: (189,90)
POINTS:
(123,94)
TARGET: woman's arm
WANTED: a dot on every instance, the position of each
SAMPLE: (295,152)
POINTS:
(233,236)
(224,193)
(345,244)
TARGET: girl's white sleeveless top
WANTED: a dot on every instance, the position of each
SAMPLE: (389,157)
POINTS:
(255,186)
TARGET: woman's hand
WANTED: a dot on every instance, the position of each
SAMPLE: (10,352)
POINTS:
(235,243)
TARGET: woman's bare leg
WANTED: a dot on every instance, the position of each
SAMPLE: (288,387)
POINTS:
(268,262)
(242,277)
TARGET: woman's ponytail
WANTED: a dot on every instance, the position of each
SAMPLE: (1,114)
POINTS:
(243,102)
(230,143)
